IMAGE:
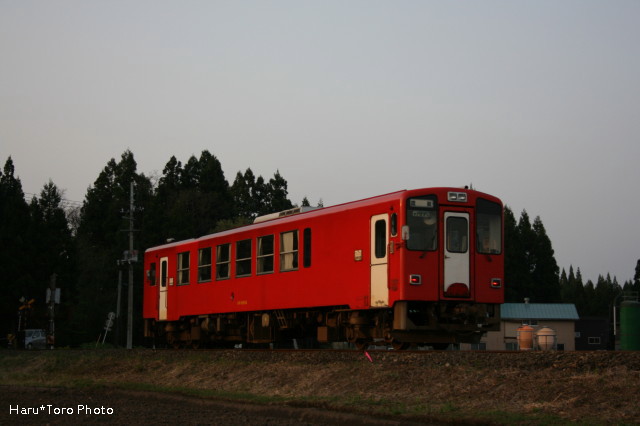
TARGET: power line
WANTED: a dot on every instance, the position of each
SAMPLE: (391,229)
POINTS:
(64,202)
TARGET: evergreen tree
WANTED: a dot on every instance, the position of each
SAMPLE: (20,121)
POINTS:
(566,293)
(530,266)
(545,268)
(15,268)
(101,243)
(513,261)
(190,177)
(580,295)
(216,201)
(589,307)
(242,191)
(260,197)
(190,200)
(277,195)
(520,258)
(52,252)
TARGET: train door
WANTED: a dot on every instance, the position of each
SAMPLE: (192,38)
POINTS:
(162,290)
(456,255)
(379,260)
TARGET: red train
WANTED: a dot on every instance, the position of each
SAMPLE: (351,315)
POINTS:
(419,266)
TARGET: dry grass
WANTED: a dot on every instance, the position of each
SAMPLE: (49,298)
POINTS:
(532,388)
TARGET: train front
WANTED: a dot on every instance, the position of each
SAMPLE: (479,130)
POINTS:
(452,267)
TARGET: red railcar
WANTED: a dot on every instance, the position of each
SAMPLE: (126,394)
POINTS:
(415,266)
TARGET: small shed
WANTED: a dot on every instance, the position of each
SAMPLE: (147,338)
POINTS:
(560,317)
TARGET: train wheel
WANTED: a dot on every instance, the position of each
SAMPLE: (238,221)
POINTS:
(362,344)
(399,346)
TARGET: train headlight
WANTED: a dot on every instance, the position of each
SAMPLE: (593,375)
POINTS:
(459,197)
(415,279)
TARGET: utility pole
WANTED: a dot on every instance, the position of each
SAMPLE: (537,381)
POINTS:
(117,319)
(130,307)
(53,297)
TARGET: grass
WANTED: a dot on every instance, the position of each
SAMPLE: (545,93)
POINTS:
(236,378)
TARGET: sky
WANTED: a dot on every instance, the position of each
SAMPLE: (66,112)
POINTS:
(535,102)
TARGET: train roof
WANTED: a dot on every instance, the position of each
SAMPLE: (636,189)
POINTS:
(295,214)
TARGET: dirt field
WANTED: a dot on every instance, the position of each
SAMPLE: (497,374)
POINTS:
(244,387)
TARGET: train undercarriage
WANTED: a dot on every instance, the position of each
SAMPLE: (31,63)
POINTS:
(406,324)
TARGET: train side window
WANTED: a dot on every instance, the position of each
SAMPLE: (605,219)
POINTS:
(243,258)
(265,254)
(394,225)
(183,268)
(151,274)
(223,259)
(381,239)
(306,260)
(289,251)
(204,265)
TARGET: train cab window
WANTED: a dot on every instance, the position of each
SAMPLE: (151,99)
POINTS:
(204,265)
(183,268)
(243,258)
(223,259)
(306,257)
(265,254)
(422,219)
(289,251)
(488,227)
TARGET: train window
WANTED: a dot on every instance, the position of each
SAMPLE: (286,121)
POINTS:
(289,251)
(183,268)
(223,259)
(151,274)
(457,234)
(394,225)
(488,227)
(306,260)
(243,258)
(163,273)
(265,254)
(422,219)
(381,239)
(204,265)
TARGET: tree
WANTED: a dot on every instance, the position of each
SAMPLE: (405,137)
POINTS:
(530,266)
(635,285)
(15,267)
(545,268)
(242,191)
(101,243)
(518,262)
(189,201)
(53,252)
(253,197)
(277,194)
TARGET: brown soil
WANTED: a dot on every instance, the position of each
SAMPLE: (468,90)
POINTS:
(311,387)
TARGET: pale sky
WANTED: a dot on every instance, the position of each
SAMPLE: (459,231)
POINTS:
(535,102)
